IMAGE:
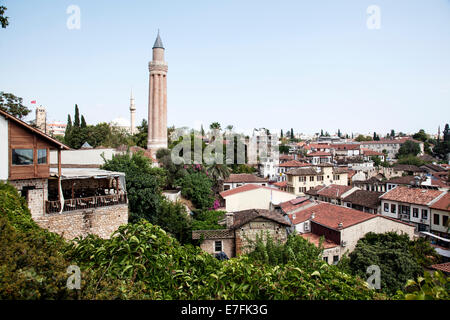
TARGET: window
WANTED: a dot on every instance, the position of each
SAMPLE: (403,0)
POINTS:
(436,219)
(386,207)
(444,220)
(336,177)
(42,156)
(415,212)
(22,157)
(302,179)
(319,178)
(218,246)
(393,208)
(311,178)
(424,214)
(335,259)
(325,259)
(302,189)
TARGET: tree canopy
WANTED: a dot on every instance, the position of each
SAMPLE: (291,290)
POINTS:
(13,105)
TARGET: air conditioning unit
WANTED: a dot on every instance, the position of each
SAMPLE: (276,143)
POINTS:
(343,243)
(306,226)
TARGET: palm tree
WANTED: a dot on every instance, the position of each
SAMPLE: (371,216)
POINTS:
(215,125)
(218,172)
(229,127)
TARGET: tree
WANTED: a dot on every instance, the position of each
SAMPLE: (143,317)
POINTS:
(292,133)
(360,138)
(83,122)
(392,133)
(339,133)
(409,148)
(446,133)
(197,187)
(207,220)
(411,160)
(229,128)
(215,126)
(393,253)
(141,136)
(376,137)
(13,105)
(421,136)
(281,133)
(3,20)
(321,132)
(76,121)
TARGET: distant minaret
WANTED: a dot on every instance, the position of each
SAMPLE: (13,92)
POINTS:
(157,99)
(132,114)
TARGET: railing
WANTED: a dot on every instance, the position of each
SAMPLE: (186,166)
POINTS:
(85,203)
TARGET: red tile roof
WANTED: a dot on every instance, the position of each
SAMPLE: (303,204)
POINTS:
(294,163)
(286,157)
(343,146)
(244,178)
(294,204)
(318,154)
(391,141)
(445,267)
(280,184)
(411,195)
(334,191)
(368,152)
(315,239)
(245,216)
(330,216)
(443,203)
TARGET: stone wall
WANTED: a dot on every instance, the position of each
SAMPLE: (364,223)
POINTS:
(260,226)
(35,197)
(101,221)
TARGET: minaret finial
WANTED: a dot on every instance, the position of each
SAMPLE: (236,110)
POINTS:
(158,42)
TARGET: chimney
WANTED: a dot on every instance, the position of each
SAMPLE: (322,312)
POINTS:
(229,219)
(340,225)
(313,215)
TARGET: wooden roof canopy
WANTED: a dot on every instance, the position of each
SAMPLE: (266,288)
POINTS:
(50,140)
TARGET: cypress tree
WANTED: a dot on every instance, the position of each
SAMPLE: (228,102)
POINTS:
(76,121)
(83,122)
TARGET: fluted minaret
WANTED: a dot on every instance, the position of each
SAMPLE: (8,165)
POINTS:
(157,99)
(132,114)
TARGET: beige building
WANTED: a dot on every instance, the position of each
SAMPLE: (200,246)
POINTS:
(301,180)
(440,216)
(341,227)
(252,196)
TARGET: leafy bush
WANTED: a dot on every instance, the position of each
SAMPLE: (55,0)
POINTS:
(207,220)
(399,258)
(434,286)
(197,187)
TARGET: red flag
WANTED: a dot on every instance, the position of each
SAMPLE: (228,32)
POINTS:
(33,102)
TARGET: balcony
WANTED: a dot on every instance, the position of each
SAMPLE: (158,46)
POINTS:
(86,203)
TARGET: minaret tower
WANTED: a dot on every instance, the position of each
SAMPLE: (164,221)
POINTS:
(132,114)
(157,99)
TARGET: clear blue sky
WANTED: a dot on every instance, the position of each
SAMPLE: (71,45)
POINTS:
(309,65)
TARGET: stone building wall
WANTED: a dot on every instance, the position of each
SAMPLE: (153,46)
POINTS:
(101,221)
(35,197)
(260,226)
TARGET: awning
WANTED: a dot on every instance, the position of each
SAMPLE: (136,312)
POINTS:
(434,236)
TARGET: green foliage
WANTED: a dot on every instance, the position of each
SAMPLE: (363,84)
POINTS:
(12,104)
(242,168)
(140,138)
(410,159)
(297,250)
(3,20)
(434,286)
(174,219)
(207,220)
(144,183)
(360,138)
(197,187)
(408,148)
(399,258)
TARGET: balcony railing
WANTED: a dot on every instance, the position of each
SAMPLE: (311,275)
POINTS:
(85,203)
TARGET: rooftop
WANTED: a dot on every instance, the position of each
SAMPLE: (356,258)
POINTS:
(443,203)
(245,188)
(411,195)
(315,239)
(245,216)
(334,191)
(369,199)
(294,163)
(244,178)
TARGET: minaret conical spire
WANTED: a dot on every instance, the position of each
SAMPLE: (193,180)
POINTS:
(158,42)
